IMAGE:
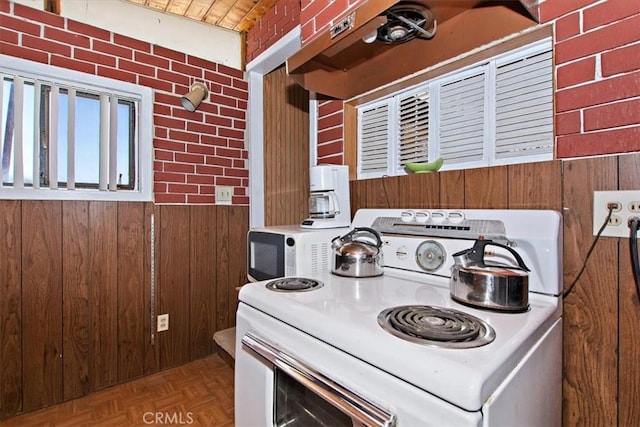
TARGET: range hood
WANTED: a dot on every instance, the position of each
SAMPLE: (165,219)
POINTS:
(383,41)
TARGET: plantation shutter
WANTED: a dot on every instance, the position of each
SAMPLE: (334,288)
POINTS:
(413,128)
(524,106)
(462,120)
(373,126)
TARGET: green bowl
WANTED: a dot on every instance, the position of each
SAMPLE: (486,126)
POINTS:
(424,167)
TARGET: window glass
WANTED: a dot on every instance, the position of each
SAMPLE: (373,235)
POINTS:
(83,134)
(496,112)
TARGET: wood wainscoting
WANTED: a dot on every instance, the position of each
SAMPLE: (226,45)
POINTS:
(601,383)
(77,302)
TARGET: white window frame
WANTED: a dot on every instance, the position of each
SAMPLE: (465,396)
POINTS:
(143,145)
(487,67)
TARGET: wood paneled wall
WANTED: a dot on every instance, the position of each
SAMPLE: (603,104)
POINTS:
(601,383)
(286,150)
(75,292)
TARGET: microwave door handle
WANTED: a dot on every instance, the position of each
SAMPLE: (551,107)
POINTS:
(359,409)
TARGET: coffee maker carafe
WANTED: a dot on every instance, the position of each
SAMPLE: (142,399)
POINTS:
(329,204)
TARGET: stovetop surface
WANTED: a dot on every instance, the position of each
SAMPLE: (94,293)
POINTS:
(344,312)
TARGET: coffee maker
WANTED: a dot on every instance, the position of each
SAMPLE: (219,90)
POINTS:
(329,204)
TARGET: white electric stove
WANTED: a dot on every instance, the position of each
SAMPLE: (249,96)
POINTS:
(327,356)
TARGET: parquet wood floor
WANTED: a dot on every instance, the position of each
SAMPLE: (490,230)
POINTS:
(199,393)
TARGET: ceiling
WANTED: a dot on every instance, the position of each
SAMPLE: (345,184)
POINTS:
(234,15)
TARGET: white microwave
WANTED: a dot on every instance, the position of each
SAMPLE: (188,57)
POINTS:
(289,250)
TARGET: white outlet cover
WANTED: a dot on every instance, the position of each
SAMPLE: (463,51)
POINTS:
(626,199)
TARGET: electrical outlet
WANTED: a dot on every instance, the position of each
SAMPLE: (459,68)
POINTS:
(626,204)
(163,322)
(223,194)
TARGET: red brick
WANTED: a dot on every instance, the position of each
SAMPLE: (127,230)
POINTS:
(330,121)
(552,9)
(608,12)
(330,106)
(88,30)
(576,72)
(225,152)
(96,58)
(200,149)
(66,37)
(567,26)
(71,64)
(5,6)
(236,172)
(224,180)
(329,135)
(601,92)
(331,149)
(155,84)
(38,15)
(224,100)
(170,122)
(161,198)
(230,133)
(201,63)
(20,25)
(136,67)
(198,127)
(113,73)
(8,36)
(169,53)
(169,177)
(183,168)
(111,49)
(219,161)
(20,52)
(623,140)
(335,159)
(623,60)
(209,170)
(183,136)
(200,199)
(600,40)
(567,123)
(121,40)
(613,115)
(233,72)
(175,146)
(46,45)
(189,70)
(182,188)
(155,61)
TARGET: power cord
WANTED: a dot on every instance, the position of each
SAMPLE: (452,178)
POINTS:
(593,245)
(634,224)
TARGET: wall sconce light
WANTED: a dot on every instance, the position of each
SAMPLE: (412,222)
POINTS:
(191,100)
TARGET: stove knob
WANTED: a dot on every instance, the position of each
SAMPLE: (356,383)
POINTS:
(422,216)
(402,252)
(456,217)
(438,216)
(407,216)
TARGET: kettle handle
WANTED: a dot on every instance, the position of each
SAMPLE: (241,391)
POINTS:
(359,230)
(476,253)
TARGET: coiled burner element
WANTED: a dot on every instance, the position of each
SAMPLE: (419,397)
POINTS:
(294,284)
(436,326)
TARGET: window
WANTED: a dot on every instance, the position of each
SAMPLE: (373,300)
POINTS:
(496,112)
(69,135)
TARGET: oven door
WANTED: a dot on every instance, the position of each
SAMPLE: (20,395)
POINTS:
(305,397)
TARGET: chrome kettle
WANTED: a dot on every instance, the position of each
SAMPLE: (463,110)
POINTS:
(358,253)
(496,286)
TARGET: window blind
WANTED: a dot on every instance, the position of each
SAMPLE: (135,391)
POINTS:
(462,119)
(413,130)
(524,106)
(373,126)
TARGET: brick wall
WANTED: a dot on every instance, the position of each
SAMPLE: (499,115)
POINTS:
(598,71)
(597,54)
(193,151)
(317,16)
(283,17)
(330,132)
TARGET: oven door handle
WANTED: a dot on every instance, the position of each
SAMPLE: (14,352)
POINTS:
(356,407)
